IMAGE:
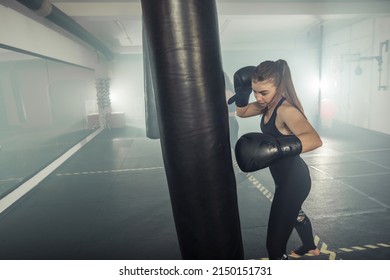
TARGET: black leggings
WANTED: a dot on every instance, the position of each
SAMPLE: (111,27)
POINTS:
(292,186)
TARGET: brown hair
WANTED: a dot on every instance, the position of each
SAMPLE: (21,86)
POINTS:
(278,72)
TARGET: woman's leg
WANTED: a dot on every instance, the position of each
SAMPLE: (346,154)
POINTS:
(284,211)
(305,232)
(292,186)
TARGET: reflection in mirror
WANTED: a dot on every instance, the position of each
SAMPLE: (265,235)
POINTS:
(43,112)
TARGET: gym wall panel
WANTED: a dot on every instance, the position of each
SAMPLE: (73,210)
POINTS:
(30,82)
(381,99)
(351,74)
(10,112)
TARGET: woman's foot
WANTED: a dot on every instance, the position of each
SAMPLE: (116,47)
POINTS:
(301,251)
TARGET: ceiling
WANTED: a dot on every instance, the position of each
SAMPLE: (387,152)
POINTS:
(243,24)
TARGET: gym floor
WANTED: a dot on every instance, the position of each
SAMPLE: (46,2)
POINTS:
(110,201)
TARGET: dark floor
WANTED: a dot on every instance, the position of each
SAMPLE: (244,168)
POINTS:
(110,201)
(25,152)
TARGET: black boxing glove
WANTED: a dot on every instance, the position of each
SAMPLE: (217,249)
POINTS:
(255,151)
(242,86)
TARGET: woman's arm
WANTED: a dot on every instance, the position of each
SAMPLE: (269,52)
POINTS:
(300,127)
(250,110)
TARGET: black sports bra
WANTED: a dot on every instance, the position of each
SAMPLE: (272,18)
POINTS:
(270,127)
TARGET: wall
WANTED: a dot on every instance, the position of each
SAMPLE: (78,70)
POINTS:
(37,93)
(127,89)
(31,36)
(24,86)
(349,96)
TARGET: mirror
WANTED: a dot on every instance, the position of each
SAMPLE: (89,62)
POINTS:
(44,106)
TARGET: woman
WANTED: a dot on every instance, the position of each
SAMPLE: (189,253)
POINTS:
(283,119)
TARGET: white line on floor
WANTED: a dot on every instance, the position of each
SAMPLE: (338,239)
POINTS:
(110,171)
(27,186)
(315,217)
(364,194)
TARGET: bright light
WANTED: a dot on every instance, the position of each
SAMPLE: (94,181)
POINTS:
(323,85)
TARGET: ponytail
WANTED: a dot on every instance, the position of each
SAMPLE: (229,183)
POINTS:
(286,86)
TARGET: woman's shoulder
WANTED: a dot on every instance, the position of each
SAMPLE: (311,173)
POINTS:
(287,109)
(285,105)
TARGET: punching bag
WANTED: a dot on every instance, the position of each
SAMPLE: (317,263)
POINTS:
(194,131)
(151,122)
